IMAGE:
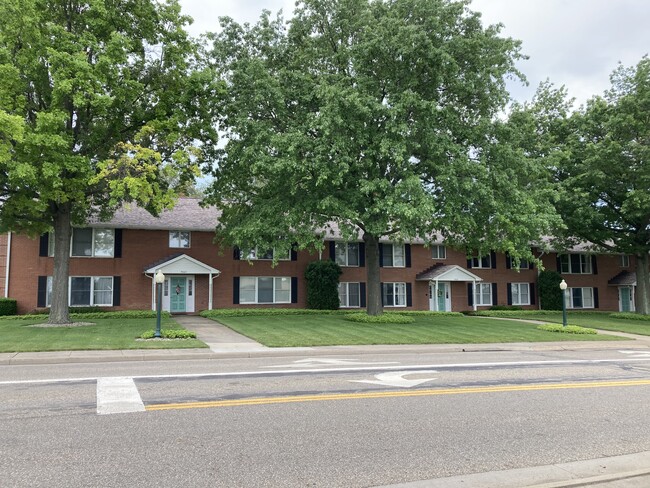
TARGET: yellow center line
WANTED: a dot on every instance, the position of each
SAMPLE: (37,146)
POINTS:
(393,394)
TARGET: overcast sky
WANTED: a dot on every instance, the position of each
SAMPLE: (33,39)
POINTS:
(576,43)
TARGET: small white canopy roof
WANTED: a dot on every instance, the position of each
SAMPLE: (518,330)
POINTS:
(448,272)
(183,264)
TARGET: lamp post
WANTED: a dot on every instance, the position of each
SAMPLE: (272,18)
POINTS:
(563,288)
(160,279)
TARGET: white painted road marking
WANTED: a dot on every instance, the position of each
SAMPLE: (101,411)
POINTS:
(396,378)
(118,395)
(637,354)
(302,363)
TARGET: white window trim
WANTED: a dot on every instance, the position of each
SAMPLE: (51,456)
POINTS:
(257,278)
(477,262)
(570,269)
(478,295)
(396,285)
(519,285)
(624,261)
(50,243)
(48,292)
(189,239)
(347,284)
(347,254)
(438,248)
(393,246)
(253,254)
(569,297)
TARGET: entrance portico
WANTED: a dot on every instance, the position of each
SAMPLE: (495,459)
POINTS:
(179,288)
(440,278)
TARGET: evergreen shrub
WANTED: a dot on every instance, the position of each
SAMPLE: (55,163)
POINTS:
(550,295)
(323,285)
(8,306)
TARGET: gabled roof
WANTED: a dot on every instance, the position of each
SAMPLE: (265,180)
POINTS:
(182,264)
(446,272)
(624,278)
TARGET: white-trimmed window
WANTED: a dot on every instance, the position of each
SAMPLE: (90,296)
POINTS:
(264,255)
(179,239)
(482,262)
(580,297)
(438,252)
(575,264)
(88,242)
(624,261)
(349,295)
(394,294)
(393,255)
(86,291)
(264,289)
(346,253)
(520,293)
(483,295)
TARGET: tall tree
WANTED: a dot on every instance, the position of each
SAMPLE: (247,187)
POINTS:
(605,174)
(111,99)
(378,117)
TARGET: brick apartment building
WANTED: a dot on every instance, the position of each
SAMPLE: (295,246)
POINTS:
(113,265)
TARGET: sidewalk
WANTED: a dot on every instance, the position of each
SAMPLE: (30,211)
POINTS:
(226,343)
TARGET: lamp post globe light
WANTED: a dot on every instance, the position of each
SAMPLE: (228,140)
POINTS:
(160,279)
(563,286)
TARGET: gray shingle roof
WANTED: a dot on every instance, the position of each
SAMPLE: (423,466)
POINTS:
(624,278)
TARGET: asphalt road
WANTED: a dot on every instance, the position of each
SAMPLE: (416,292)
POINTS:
(311,422)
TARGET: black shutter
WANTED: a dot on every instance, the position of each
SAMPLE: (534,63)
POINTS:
(509,290)
(362,294)
(117,288)
(332,246)
(294,255)
(43,245)
(531,265)
(236,255)
(596,297)
(118,243)
(494,294)
(594,265)
(235,290)
(381,255)
(559,263)
(362,255)
(409,295)
(493,258)
(41,297)
(532,293)
(407,252)
(470,294)
(469,263)
(294,289)
(508,262)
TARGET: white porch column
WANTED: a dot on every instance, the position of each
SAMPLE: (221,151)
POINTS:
(474,295)
(436,306)
(210,291)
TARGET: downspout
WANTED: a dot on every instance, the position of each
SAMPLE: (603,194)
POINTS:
(211,287)
(8,264)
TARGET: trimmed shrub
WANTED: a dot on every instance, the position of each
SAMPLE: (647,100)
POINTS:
(323,285)
(630,316)
(550,295)
(251,312)
(8,306)
(385,318)
(170,334)
(569,329)
(505,307)
(120,314)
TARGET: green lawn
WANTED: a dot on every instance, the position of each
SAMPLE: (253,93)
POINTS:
(327,330)
(112,333)
(595,320)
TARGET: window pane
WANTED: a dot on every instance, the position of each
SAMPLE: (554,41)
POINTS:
(340,252)
(576,294)
(400,294)
(80,291)
(268,254)
(388,294)
(587,297)
(104,242)
(343,302)
(82,242)
(515,294)
(247,290)
(353,254)
(282,290)
(265,290)
(398,255)
(353,294)
(585,263)
(486,262)
(439,252)
(575,263)
(103,291)
(564,263)
(388,254)
(523,293)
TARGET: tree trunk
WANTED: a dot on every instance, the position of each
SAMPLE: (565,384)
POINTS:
(59,313)
(642,298)
(374,281)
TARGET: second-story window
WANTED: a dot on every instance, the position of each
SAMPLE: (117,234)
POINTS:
(393,255)
(347,253)
(576,264)
(98,243)
(438,252)
(264,255)
(179,239)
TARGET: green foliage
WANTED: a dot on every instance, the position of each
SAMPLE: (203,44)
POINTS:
(250,312)
(505,307)
(170,334)
(513,313)
(8,306)
(569,329)
(323,285)
(550,294)
(387,318)
(630,316)
(89,313)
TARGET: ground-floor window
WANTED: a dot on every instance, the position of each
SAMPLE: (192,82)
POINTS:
(483,295)
(86,291)
(580,297)
(520,293)
(394,294)
(264,289)
(349,295)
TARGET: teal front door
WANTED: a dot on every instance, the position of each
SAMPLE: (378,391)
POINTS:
(177,292)
(443,295)
(626,298)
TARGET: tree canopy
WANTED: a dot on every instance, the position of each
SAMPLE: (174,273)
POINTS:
(101,102)
(381,117)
